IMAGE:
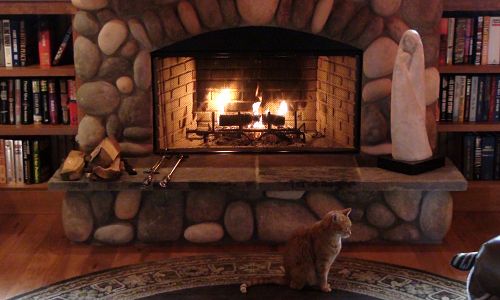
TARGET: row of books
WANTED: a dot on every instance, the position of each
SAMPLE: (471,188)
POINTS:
(469,98)
(481,156)
(38,101)
(470,40)
(23,38)
(33,159)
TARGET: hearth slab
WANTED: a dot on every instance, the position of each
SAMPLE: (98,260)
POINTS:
(276,172)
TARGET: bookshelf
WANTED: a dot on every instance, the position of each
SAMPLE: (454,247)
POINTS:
(37,71)
(468,127)
(61,7)
(35,129)
(23,187)
(469,69)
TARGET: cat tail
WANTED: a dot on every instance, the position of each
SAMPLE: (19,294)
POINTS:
(464,261)
(259,281)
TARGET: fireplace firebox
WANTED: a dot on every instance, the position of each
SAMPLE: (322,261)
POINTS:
(257,89)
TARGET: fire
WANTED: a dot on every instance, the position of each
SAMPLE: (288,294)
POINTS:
(222,99)
(256,108)
(283,109)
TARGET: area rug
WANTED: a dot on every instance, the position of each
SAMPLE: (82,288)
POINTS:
(219,277)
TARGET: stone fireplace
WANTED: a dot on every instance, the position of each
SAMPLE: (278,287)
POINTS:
(141,86)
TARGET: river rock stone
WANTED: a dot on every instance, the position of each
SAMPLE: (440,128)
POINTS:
(204,233)
(142,70)
(380,216)
(85,24)
(135,150)
(127,204)
(385,8)
(87,58)
(401,233)
(431,48)
(380,149)
(105,15)
(323,202)
(98,98)
(135,110)
(90,133)
(431,126)
(188,17)
(372,31)
(432,81)
(139,33)
(277,220)
(153,26)
(356,214)
(257,12)
(77,217)
(405,204)
(342,13)
(321,13)
(374,126)
(284,13)
(114,67)
(302,13)
(115,234)
(112,36)
(377,89)
(358,24)
(125,85)
(138,133)
(362,233)
(102,207)
(229,12)
(238,221)
(90,4)
(356,198)
(436,214)
(171,24)
(421,14)
(204,206)
(161,217)
(114,127)
(379,57)
(285,195)
(396,28)
(209,12)
(129,49)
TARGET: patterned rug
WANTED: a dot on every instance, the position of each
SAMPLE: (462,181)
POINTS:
(219,276)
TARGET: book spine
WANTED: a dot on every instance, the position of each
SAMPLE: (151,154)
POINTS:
(486,98)
(468,84)
(444,95)
(37,107)
(473,98)
(72,105)
(12,101)
(44,99)
(477,158)
(479,41)
(44,47)
(497,99)
(27,159)
(468,156)
(487,157)
(467,40)
(493,92)
(18,160)
(63,95)
(3,171)
(494,41)
(22,43)
(7,42)
(497,156)
(4,103)
(450,40)
(458,100)
(27,103)
(9,161)
(449,101)
(18,98)
(15,43)
(480,99)
(2,52)
(486,37)
(443,40)
(459,50)
(53,102)
(62,47)
(36,161)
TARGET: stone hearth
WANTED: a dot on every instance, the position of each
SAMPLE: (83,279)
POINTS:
(248,198)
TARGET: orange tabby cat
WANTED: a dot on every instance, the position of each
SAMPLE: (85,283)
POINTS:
(310,252)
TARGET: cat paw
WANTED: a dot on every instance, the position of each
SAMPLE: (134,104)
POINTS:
(327,288)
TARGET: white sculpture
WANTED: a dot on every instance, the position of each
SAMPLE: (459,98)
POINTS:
(408,132)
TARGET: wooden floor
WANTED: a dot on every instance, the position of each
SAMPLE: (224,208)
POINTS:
(34,251)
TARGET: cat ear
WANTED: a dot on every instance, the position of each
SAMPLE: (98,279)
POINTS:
(346,211)
(335,218)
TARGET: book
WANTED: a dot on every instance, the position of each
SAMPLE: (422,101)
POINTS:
(486,37)
(494,41)
(18,161)
(53,102)
(27,161)
(469,23)
(72,105)
(41,159)
(487,157)
(493,92)
(12,101)
(4,102)
(26,41)
(9,161)
(7,42)
(468,84)
(486,98)
(497,99)
(27,102)
(44,43)
(2,52)
(3,171)
(63,46)
(443,40)
(480,99)
(497,156)
(442,100)
(449,101)
(459,98)
(18,99)
(63,96)
(44,100)
(14,25)
(473,98)
(450,41)
(37,107)
(459,43)
(479,40)
(468,151)
(477,158)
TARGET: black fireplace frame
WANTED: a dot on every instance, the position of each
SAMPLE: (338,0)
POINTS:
(272,41)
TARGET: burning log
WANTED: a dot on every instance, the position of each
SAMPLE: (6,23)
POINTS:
(273,119)
(237,120)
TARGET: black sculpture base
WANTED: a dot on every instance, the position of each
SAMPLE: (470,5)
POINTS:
(410,167)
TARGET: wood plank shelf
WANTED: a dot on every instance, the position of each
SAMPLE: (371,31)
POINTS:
(24,187)
(473,6)
(469,69)
(37,71)
(32,129)
(61,7)
(468,127)
(484,184)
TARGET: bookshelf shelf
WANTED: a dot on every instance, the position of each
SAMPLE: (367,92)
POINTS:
(37,71)
(24,130)
(468,127)
(484,184)
(27,187)
(469,69)
(61,7)
(472,6)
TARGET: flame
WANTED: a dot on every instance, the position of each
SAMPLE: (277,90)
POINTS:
(222,99)
(256,108)
(283,109)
